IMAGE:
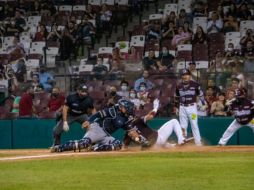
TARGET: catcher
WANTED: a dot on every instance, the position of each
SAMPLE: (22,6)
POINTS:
(142,134)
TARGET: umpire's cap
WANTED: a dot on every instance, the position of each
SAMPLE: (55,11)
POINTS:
(128,105)
(82,87)
(185,72)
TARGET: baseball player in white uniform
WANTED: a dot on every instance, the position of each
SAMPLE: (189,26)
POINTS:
(243,110)
(186,97)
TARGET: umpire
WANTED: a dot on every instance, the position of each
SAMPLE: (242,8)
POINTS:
(78,107)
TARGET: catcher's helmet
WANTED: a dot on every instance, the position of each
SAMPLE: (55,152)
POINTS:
(128,105)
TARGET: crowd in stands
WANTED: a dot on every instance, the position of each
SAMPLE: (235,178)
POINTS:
(214,40)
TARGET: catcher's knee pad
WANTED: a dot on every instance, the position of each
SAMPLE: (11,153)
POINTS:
(117,145)
(84,143)
(67,146)
(114,145)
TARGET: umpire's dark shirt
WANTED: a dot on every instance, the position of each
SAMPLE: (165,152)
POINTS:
(78,106)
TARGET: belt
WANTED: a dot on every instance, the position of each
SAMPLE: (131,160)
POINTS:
(187,105)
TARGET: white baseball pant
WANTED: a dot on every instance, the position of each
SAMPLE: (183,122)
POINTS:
(166,130)
(187,113)
(230,131)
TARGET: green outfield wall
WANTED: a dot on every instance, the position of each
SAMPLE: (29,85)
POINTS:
(37,133)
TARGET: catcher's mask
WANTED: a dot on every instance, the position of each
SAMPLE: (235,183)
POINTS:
(128,105)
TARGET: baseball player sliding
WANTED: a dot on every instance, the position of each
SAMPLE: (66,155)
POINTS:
(186,97)
(143,134)
(243,110)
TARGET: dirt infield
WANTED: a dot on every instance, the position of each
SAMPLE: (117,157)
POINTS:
(28,154)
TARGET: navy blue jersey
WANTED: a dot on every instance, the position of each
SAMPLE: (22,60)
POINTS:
(187,93)
(111,119)
(77,105)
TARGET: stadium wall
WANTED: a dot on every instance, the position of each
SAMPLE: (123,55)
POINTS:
(37,133)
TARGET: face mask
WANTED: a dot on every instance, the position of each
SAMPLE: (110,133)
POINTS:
(230,49)
(82,96)
(55,94)
(124,88)
(142,88)
(42,71)
(31,94)
(165,52)
(113,93)
(12,22)
(132,95)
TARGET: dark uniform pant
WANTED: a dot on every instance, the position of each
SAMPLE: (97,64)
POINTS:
(58,129)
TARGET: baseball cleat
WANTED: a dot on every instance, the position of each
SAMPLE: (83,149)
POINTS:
(169,145)
(54,148)
(188,139)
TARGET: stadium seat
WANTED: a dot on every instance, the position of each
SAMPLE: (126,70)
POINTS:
(155,17)
(85,69)
(168,8)
(233,37)
(109,3)
(139,43)
(96,5)
(246,24)
(105,52)
(33,20)
(184,52)
(78,10)
(32,64)
(38,45)
(53,44)
(184,4)
(200,21)
(64,9)
(122,2)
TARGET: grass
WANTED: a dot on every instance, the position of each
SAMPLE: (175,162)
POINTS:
(173,171)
